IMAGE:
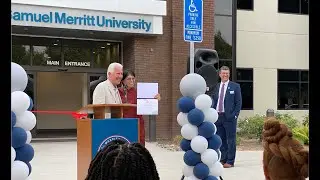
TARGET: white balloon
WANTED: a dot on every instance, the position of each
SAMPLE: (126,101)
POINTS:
(20,102)
(189,131)
(209,157)
(199,144)
(192,85)
(13,155)
(19,171)
(216,169)
(29,137)
(26,120)
(210,115)
(187,170)
(19,78)
(203,102)
(182,118)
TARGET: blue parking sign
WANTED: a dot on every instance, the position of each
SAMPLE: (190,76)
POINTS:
(193,20)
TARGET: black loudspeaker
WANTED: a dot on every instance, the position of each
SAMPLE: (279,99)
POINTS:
(206,64)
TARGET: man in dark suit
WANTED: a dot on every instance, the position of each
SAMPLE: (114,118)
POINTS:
(227,101)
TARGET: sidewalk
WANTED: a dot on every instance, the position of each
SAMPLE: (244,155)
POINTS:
(170,164)
(57,160)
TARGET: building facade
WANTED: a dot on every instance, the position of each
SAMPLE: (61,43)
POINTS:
(65,47)
(273,47)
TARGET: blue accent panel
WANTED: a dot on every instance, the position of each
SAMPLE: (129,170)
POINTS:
(106,130)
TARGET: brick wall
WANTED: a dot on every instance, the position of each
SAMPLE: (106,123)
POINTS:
(163,59)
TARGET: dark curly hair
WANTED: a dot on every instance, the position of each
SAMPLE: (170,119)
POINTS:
(123,161)
(283,156)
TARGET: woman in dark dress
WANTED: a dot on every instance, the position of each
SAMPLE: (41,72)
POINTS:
(128,95)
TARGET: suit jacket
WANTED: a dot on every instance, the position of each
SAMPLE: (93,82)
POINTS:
(232,100)
(106,93)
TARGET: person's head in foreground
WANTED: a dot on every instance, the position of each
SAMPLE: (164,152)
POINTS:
(123,161)
(115,73)
(284,158)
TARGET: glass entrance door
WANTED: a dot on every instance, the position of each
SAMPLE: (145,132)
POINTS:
(93,81)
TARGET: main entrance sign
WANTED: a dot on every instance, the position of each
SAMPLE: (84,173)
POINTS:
(69,63)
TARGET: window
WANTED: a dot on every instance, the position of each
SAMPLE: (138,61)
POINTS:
(46,52)
(245,4)
(293,6)
(106,53)
(75,51)
(40,51)
(21,53)
(293,89)
(245,79)
(223,37)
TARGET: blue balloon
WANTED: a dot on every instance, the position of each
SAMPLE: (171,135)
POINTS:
(30,167)
(191,158)
(185,104)
(214,142)
(206,129)
(31,104)
(201,171)
(195,117)
(19,137)
(185,145)
(211,178)
(25,153)
(13,119)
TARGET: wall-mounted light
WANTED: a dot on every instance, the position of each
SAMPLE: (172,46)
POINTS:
(55,44)
(102,47)
(108,44)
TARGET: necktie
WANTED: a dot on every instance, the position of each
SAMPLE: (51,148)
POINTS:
(220,106)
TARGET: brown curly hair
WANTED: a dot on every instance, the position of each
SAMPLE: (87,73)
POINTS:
(284,158)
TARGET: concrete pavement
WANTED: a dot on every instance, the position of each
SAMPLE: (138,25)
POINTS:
(57,160)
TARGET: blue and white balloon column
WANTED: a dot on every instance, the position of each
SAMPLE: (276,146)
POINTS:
(200,142)
(22,122)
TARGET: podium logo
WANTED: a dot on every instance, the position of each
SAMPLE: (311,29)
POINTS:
(111,138)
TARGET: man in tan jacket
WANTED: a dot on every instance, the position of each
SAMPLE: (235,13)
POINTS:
(107,92)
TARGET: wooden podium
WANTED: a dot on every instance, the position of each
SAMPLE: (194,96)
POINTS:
(106,125)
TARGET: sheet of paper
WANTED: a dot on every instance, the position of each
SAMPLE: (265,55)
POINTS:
(147,90)
(147,106)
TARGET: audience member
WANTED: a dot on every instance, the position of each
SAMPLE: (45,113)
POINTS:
(123,161)
(284,158)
